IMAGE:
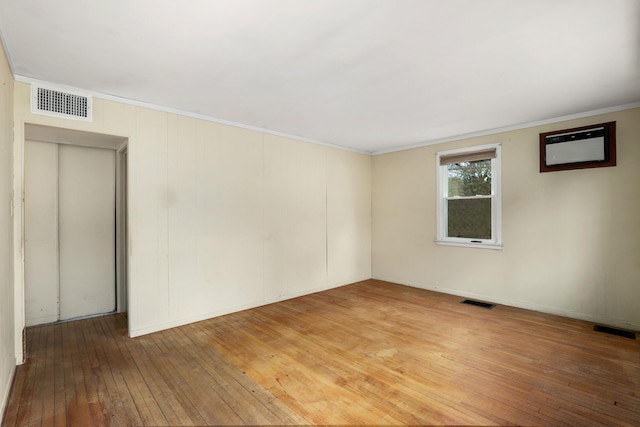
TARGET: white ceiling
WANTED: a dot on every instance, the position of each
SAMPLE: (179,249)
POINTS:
(363,74)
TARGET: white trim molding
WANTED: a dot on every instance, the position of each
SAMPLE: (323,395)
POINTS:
(442,194)
(127,101)
(519,126)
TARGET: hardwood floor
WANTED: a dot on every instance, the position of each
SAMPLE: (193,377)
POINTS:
(367,353)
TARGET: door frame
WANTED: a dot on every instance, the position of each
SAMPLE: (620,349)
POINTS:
(122,235)
(38,132)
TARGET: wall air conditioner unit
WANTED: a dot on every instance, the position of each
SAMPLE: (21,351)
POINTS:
(578,148)
(61,103)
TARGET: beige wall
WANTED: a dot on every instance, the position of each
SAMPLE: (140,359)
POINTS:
(224,218)
(571,238)
(7,355)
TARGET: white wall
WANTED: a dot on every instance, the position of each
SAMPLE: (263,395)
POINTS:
(571,238)
(224,218)
(7,354)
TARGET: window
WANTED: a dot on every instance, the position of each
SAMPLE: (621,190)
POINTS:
(469,208)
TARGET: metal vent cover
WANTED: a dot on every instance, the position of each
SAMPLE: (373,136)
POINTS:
(478,303)
(58,103)
(615,331)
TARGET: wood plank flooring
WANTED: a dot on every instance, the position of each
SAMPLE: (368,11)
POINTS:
(368,353)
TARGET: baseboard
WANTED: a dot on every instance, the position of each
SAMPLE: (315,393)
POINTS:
(210,315)
(521,304)
(6,393)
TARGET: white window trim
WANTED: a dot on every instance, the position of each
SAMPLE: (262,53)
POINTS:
(496,208)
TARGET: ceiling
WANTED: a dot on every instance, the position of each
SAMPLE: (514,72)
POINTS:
(372,76)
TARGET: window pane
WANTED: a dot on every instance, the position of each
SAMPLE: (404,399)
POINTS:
(470,178)
(469,218)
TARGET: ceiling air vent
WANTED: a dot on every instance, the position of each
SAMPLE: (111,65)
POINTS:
(57,103)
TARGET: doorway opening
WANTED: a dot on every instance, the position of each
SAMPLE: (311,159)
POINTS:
(75,224)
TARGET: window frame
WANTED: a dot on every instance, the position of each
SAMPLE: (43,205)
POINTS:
(442,180)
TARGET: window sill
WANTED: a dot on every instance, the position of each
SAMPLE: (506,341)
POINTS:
(494,246)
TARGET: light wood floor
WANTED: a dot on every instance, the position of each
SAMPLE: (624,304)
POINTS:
(367,353)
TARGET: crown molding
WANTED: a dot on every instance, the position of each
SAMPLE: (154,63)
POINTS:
(127,101)
(492,131)
(519,126)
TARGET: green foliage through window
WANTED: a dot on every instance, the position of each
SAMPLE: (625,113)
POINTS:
(469,218)
(470,178)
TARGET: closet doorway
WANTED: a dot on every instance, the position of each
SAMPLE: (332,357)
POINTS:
(74,224)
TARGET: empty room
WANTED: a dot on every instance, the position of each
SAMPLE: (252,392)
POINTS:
(319,212)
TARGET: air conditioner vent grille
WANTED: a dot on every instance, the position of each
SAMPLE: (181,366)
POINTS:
(61,104)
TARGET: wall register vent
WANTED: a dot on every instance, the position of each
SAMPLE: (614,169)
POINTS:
(57,103)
